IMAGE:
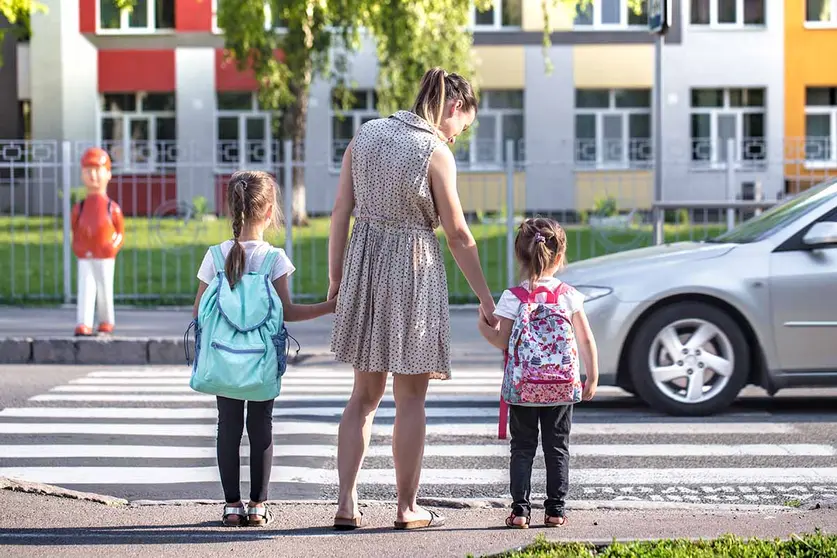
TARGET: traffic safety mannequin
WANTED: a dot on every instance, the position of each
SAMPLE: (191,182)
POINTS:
(98,234)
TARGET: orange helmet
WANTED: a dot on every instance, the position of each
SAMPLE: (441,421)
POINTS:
(95,157)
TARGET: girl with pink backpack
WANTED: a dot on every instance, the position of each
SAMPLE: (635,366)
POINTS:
(542,329)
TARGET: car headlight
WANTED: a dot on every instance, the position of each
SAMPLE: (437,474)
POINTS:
(592,293)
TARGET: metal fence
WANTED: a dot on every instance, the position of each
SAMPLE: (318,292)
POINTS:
(174,210)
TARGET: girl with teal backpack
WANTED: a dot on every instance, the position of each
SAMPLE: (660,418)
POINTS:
(241,307)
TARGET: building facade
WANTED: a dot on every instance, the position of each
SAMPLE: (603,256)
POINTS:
(154,88)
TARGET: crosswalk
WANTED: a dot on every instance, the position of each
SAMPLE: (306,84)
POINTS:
(143,433)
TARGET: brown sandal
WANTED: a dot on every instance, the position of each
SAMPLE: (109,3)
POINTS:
(554,520)
(348,523)
(435,520)
(512,525)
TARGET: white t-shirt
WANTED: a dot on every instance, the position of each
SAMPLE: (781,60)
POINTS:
(509,305)
(255,252)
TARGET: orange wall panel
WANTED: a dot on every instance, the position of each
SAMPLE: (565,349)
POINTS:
(809,62)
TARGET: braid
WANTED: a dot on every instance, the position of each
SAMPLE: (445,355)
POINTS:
(236,261)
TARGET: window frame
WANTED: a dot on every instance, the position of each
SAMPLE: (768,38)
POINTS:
(473,162)
(268,18)
(830,24)
(612,110)
(272,145)
(714,24)
(597,24)
(822,110)
(126,165)
(714,113)
(498,19)
(357,116)
(126,29)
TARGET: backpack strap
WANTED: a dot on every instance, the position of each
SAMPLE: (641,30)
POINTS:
(527,297)
(269,260)
(217,257)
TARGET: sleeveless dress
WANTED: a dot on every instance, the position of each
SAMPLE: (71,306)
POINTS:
(392,308)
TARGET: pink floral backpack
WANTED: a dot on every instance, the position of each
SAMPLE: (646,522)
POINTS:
(541,363)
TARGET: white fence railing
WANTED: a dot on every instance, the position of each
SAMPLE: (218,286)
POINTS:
(173,213)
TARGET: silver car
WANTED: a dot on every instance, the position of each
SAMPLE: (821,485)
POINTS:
(686,326)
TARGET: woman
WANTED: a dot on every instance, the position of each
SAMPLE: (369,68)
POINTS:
(392,313)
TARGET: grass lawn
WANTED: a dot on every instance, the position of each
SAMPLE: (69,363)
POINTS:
(161,257)
(807,546)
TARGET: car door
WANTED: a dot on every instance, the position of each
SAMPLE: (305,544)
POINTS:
(803,298)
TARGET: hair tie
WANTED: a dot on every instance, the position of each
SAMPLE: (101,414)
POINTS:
(540,238)
(243,184)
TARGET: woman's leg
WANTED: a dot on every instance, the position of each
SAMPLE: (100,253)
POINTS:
(230,428)
(353,436)
(410,392)
(260,432)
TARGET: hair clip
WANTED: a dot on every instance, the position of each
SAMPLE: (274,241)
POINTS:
(539,237)
(243,184)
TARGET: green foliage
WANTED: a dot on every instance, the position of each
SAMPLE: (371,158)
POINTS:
(677,217)
(200,205)
(605,207)
(815,545)
(76,194)
(19,14)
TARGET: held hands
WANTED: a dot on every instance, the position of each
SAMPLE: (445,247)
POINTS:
(333,288)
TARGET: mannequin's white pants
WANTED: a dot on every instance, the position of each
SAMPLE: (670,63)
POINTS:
(95,290)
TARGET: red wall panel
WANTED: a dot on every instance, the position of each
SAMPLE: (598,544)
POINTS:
(193,15)
(141,195)
(136,70)
(227,76)
(87,16)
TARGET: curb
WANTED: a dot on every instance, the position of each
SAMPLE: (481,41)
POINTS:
(449,503)
(126,351)
(15,485)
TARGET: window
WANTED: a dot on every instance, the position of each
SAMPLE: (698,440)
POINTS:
(247,134)
(718,115)
(609,14)
(728,13)
(138,130)
(821,125)
(344,123)
(613,127)
(271,20)
(504,13)
(499,118)
(146,16)
(823,12)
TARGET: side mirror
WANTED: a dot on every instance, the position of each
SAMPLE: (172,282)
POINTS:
(821,234)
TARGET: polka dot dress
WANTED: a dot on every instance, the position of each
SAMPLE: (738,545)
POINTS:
(392,309)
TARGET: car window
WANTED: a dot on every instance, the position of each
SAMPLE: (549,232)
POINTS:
(778,217)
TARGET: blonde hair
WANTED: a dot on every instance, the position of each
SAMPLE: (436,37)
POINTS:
(540,244)
(437,88)
(250,195)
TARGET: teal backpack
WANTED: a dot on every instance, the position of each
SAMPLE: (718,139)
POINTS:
(241,344)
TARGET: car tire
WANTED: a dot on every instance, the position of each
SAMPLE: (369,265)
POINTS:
(685,312)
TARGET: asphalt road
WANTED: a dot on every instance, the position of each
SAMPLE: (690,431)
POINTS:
(142,434)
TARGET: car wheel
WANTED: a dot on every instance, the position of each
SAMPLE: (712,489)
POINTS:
(689,359)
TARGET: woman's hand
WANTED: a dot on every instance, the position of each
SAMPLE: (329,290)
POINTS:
(487,316)
(333,288)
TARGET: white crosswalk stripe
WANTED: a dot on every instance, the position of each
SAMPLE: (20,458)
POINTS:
(146,427)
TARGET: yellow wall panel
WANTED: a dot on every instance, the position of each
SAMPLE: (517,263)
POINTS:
(500,67)
(560,16)
(632,189)
(613,66)
(486,191)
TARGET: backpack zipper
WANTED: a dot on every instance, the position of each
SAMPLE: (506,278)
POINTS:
(217,345)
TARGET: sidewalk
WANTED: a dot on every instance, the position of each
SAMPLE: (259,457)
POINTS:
(155,336)
(75,528)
